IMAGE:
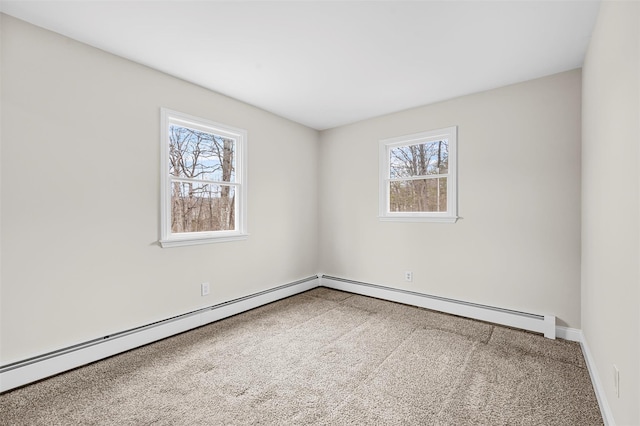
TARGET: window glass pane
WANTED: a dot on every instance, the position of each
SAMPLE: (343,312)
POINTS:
(198,207)
(419,160)
(420,195)
(201,155)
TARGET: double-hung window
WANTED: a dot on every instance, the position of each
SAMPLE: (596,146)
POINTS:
(203,174)
(418,177)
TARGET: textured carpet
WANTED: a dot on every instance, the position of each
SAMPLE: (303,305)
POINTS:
(324,357)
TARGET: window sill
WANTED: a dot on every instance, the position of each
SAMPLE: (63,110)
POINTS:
(192,241)
(435,219)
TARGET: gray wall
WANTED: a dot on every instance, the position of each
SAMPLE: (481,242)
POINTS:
(517,245)
(80,197)
(610,204)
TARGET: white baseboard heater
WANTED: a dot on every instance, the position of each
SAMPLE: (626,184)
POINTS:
(40,367)
(545,324)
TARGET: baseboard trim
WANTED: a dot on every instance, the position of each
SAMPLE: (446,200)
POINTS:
(545,324)
(484,313)
(40,367)
(605,409)
(571,334)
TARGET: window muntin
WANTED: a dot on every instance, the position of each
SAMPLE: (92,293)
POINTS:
(203,181)
(418,177)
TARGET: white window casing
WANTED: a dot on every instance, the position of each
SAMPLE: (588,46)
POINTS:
(403,174)
(235,183)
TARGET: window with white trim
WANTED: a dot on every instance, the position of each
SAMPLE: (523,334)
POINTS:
(203,181)
(418,177)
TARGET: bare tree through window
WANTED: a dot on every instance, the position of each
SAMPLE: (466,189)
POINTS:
(202,170)
(418,177)
(418,181)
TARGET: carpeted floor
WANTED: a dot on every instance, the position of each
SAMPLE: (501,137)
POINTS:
(324,357)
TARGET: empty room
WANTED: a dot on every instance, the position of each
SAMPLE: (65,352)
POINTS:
(320,212)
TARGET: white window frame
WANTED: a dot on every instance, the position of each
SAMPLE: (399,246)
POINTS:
(171,239)
(385,146)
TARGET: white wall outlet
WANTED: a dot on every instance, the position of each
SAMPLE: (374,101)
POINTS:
(408,276)
(204,289)
(616,380)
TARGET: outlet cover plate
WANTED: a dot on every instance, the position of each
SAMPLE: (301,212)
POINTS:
(204,289)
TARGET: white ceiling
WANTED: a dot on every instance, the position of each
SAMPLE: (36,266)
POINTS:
(328,63)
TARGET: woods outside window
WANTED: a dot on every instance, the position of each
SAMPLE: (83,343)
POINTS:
(418,177)
(203,181)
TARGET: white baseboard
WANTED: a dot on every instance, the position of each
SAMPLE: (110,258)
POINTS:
(576,335)
(489,314)
(545,324)
(605,409)
(571,334)
(21,373)
(40,367)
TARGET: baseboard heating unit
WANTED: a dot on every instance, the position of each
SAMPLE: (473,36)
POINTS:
(545,324)
(39,367)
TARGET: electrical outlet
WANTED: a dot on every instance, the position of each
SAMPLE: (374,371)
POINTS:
(408,276)
(616,380)
(204,289)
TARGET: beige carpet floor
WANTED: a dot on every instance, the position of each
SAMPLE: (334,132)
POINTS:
(324,357)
